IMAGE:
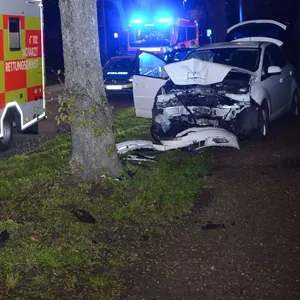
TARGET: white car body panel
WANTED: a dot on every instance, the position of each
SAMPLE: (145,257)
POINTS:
(195,71)
(144,92)
(291,92)
(290,86)
(276,89)
(259,39)
(286,80)
(257,21)
(197,137)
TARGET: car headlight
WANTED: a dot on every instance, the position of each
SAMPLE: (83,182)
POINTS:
(130,79)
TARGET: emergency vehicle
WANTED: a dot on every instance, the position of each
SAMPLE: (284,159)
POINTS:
(157,34)
(22,84)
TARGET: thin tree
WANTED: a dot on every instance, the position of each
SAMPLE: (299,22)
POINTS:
(89,113)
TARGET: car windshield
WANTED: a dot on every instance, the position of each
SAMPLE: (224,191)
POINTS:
(120,64)
(245,58)
(149,37)
(179,55)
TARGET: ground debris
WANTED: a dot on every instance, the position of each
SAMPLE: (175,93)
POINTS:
(130,173)
(84,216)
(243,292)
(212,226)
(139,157)
(4,236)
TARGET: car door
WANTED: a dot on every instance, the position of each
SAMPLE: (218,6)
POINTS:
(148,79)
(278,58)
(273,84)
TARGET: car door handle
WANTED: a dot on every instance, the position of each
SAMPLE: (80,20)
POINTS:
(291,73)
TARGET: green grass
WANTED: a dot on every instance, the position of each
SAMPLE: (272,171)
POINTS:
(128,127)
(50,254)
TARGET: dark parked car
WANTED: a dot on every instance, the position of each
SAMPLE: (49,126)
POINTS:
(117,74)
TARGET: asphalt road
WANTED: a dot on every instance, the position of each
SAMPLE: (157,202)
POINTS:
(24,143)
(255,194)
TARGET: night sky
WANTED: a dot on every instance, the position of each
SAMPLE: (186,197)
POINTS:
(280,10)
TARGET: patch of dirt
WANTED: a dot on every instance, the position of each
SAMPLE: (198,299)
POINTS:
(100,190)
(255,193)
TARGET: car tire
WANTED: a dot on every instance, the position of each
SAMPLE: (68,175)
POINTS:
(262,122)
(295,108)
(6,140)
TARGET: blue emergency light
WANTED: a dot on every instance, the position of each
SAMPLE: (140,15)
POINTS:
(162,18)
(136,21)
(165,20)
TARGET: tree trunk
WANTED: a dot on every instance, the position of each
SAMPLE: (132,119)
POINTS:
(217,18)
(93,145)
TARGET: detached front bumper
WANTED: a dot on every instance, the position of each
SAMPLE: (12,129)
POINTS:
(197,138)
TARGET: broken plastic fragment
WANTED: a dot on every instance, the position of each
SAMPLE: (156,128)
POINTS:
(164,122)
(84,216)
(4,236)
(219,140)
(212,226)
(141,158)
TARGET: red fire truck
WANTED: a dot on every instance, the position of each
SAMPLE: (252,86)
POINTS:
(158,34)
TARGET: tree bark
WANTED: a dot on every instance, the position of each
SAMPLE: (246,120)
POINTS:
(93,145)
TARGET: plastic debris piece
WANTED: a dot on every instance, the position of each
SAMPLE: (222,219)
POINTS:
(212,226)
(141,158)
(4,236)
(84,216)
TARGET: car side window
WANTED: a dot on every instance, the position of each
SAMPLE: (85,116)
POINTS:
(277,56)
(266,64)
(150,65)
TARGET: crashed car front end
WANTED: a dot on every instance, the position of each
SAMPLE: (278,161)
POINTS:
(203,104)
(195,100)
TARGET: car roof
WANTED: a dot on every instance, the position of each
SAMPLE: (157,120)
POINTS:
(233,45)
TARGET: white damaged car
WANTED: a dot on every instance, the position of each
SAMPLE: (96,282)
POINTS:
(216,94)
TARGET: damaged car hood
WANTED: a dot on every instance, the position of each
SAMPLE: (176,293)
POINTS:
(196,71)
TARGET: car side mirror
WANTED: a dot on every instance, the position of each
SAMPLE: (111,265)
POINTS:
(274,70)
